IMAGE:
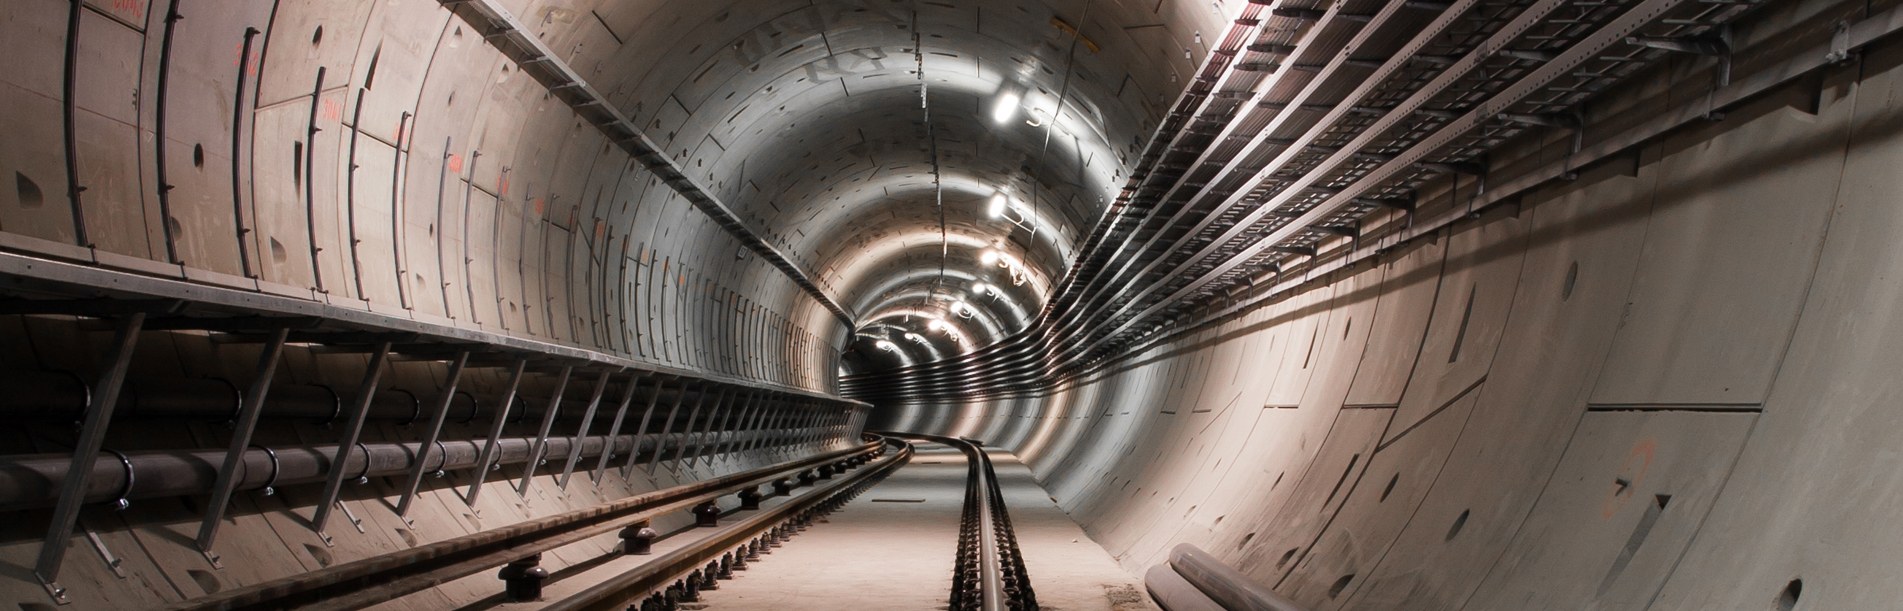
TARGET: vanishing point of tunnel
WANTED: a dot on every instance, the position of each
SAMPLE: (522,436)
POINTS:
(951,304)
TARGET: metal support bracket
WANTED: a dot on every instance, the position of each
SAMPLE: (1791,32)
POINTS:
(430,436)
(487,459)
(587,420)
(92,434)
(614,429)
(246,422)
(334,482)
(541,437)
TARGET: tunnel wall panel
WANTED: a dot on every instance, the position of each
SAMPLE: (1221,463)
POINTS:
(1623,426)
(423,177)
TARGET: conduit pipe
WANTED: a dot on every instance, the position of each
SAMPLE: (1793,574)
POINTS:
(32,481)
(60,395)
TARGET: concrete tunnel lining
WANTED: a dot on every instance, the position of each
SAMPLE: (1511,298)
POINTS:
(1621,343)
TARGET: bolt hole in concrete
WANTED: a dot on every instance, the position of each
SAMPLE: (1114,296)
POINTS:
(1392,480)
(317,36)
(30,194)
(1290,555)
(198,155)
(1787,600)
(1340,584)
(1459,522)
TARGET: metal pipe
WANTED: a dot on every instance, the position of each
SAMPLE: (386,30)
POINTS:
(54,395)
(1224,584)
(32,481)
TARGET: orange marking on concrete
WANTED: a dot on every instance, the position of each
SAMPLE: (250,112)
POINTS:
(1631,473)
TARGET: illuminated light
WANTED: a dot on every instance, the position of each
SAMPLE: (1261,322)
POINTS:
(989,257)
(996,208)
(916,338)
(981,288)
(1007,106)
(887,346)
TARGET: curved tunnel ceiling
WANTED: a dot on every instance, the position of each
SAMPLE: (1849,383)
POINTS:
(813,121)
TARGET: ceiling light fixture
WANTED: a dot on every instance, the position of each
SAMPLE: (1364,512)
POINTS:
(1007,105)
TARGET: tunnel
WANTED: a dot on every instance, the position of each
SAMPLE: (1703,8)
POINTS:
(951,304)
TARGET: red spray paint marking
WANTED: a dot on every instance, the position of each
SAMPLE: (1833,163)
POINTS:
(133,9)
(1631,474)
(456,164)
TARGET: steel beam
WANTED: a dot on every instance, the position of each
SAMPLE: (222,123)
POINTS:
(92,434)
(242,426)
(587,419)
(488,457)
(334,484)
(541,437)
(614,427)
(431,434)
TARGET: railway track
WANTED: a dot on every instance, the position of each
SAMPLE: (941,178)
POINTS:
(797,491)
(654,571)
(988,574)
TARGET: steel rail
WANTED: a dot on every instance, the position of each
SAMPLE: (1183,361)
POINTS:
(626,590)
(988,574)
(369,581)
